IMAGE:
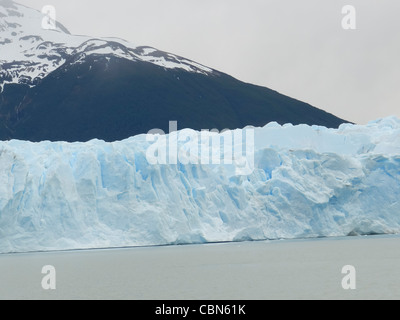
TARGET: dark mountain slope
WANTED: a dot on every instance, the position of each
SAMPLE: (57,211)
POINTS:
(111,98)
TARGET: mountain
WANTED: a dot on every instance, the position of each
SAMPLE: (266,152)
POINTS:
(58,86)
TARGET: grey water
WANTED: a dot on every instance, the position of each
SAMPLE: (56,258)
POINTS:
(287,269)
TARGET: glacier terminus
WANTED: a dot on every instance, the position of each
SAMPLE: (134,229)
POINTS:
(308,181)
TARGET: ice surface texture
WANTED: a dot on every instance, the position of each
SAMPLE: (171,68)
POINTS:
(307,182)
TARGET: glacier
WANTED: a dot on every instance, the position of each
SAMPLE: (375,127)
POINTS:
(308,181)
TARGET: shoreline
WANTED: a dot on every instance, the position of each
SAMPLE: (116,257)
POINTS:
(372,236)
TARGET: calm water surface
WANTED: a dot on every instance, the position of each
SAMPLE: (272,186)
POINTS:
(299,269)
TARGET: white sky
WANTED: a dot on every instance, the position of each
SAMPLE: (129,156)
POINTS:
(298,48)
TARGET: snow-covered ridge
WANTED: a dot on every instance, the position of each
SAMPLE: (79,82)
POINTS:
(28,52)
(307,182)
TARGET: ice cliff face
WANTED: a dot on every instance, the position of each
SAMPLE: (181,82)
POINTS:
(306,182)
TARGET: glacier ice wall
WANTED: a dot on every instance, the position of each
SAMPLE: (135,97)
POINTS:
(307,182)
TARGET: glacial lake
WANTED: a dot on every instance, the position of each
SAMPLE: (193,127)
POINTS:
(283,269)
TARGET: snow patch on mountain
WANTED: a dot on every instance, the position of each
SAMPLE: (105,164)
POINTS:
(28,52)
(307,182)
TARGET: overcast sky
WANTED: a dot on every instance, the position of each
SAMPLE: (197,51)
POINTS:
(298,48)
